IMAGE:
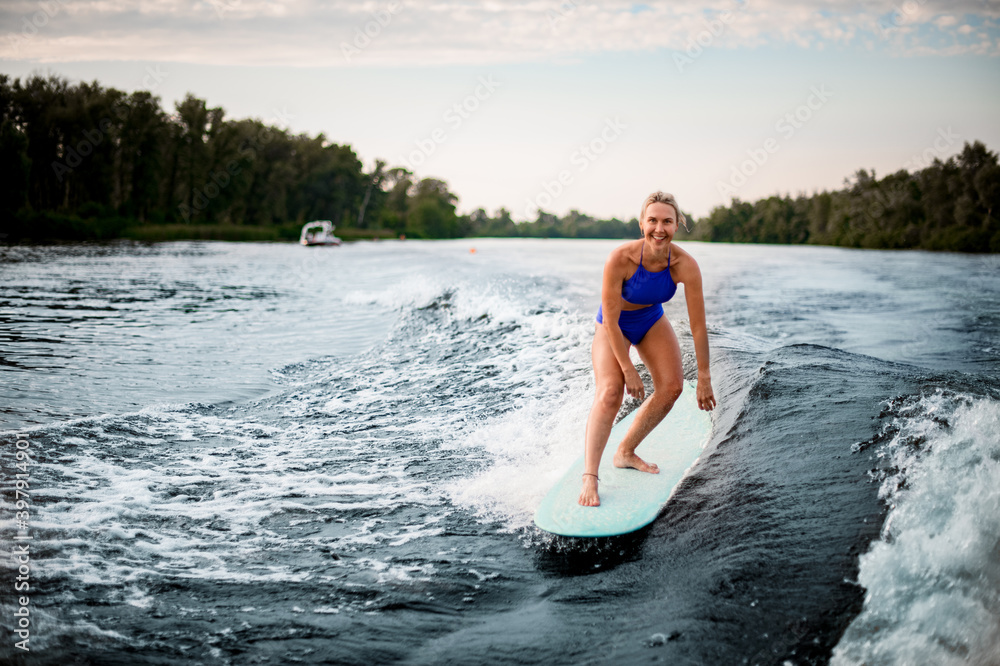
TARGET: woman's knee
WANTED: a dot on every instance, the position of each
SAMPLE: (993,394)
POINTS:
(609,395)
(667,395)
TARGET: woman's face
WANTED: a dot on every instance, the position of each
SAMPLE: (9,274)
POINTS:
(659,224)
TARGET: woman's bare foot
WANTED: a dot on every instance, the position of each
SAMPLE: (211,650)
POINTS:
(635,462)
(588,496)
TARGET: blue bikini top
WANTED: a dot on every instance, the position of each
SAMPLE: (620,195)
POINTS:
(647,288)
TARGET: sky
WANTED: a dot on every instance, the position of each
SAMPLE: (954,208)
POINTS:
(560,105)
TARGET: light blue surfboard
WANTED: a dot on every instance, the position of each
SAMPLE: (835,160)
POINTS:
(630,499)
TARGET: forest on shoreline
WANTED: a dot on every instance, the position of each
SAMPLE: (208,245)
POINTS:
(85,162)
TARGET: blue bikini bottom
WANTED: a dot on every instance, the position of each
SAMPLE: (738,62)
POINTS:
(636,323)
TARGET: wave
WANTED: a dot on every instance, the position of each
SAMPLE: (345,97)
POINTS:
(932,580)
(759,551)
(387,487)
(201,490)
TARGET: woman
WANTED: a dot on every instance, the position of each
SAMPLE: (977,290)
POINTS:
(638,277)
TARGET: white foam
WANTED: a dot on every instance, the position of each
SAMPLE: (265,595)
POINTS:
(188,491)
(199,512)
(326,610)
(528,449)
(933,580)
(406,293)
(139,599)
(541,361)
(387,571)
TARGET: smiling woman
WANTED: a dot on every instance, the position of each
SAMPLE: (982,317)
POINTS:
(637,281)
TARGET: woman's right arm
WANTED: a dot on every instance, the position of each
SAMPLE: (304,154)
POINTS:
(611,305)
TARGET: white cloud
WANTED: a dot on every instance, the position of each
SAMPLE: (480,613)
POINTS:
(412,32)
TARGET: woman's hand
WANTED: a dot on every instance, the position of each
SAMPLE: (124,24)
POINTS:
(633,384)
(706,397)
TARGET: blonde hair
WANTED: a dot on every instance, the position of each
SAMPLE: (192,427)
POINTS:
(664,198)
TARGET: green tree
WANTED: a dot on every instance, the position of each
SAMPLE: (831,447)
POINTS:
(431,210)
(143,135)
(15,165)
(394,210)
(194,118)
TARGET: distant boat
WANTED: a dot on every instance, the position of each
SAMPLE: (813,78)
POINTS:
(319,232)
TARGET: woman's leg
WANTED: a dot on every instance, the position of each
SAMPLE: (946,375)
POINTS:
(661,353)
(607,400)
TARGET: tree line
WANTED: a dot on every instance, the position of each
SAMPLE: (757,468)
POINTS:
(948,205)
(81,161)
(85,161)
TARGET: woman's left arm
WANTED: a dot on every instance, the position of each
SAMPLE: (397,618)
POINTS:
(699,331)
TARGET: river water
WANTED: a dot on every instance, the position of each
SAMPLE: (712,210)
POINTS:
(264,453)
